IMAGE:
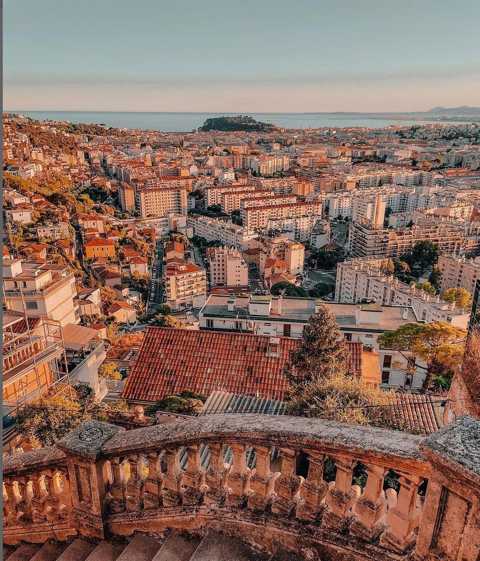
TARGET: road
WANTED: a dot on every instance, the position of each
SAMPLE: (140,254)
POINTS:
(155,297)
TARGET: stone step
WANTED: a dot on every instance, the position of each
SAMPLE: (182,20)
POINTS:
(141,548)
(50,551)
(177,547)
(24,552)
(78,550)
(106,551)
(218,547)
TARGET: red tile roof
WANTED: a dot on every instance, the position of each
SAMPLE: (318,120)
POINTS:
(173,360)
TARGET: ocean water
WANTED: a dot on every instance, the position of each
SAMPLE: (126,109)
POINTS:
(186,122)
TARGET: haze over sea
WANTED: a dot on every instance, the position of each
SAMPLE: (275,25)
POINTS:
(185,122)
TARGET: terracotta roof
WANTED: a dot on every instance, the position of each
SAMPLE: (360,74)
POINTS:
(173,360)
(418,413)
(99,241)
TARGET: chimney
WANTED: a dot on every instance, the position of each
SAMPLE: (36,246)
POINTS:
(231,304)
(273,347)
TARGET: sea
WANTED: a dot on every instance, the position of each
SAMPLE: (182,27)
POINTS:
(187,122)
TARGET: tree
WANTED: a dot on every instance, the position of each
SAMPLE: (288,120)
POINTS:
(109,370)
(439,344)
(344,398)
(422,257)
(461,297)
(426,287)
(321,352)
(186,402)
(288,289)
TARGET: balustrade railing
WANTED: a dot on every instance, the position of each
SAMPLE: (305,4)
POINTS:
(367,485)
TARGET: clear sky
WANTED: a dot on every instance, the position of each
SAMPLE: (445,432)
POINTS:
(241,55)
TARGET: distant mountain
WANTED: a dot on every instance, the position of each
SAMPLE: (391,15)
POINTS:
(462,110)
(236,123)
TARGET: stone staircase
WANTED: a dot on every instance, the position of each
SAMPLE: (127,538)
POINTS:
(177,547)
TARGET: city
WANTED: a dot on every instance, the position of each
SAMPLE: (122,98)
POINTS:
(237,340)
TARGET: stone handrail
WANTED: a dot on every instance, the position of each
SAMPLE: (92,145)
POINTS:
(307,483)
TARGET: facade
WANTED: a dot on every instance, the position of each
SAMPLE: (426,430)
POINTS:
(213,229)
(258,218)
(227,267)
(99,247)
(360,280)
(126,194)
(215,195)
(458,272)
(185,285)
(40,290)
(160,200)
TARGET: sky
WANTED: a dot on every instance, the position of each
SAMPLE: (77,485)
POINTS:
(241,55)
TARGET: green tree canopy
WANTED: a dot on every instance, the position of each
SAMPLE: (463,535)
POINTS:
(461,297)
(422,257)
(288,289)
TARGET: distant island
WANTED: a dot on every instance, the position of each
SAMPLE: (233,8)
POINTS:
(236,123)
(462,110)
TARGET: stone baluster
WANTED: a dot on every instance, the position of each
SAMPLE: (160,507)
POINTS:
(262,481)
(38,499)
(287,484)
(339,498)
(238,481)
(370,508)
(215,476)
(51,499)
(313,490)
(133,485)
(192,477)
(24,509)
(171,493)
(401,521)
(153,483)
(10,512)
(117,487)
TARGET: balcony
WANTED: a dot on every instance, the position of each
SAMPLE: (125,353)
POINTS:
(273,482)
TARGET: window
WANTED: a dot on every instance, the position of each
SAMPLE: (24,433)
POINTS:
(348,336)
(387,361)
(287,329)
(385,377)
(31,305)
(209,323)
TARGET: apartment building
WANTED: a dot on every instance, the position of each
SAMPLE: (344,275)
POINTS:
(160,199)
(281,247)
(126,194)
(185,285)
(268,165)
(367,241)
(458,272)
(227,267)
(214,194)
(267,200)
(277,316)
(365,280)
(53,232)
(233,200)
(40,290)
(299,229)
(213,229)
(99,247)
(257,218)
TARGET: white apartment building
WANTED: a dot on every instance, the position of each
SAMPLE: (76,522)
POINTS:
(286,317)
(227,267)
(214,194)
(257,218)
(40,290)
(364,280)
(185,285)
(458,272)
(268,165)
(160,201)
(213,229)
(233,200)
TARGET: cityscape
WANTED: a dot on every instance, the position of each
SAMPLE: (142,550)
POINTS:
(242,335)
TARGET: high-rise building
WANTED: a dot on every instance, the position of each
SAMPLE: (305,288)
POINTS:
(227,267)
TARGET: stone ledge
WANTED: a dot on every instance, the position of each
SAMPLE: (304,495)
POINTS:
(50,457)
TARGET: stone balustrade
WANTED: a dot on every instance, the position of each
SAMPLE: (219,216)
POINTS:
(313,486)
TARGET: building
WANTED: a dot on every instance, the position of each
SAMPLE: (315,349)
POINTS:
(365,280)
(175,360)
(126,195)
(227,267)
(258,218)
(367,241)
(275,316)
(213,229)
(161,199)
(214,195)
(458,272)
(185,285)
(40,290)
(99,247)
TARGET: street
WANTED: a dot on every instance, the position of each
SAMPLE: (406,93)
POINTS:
(155,298)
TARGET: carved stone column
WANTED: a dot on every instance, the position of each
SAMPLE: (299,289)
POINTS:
(9,503)
(192,477)
(153,483)
(83,447)
(287,484)
(339,498)
(215,476)
(171,493)
(314,489)
(370,508)
(401,520)
(261,483)
(238,481)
